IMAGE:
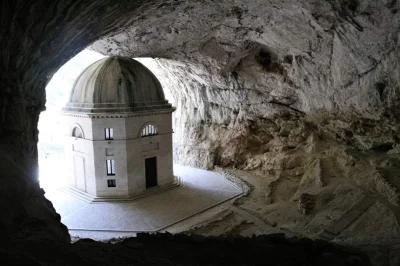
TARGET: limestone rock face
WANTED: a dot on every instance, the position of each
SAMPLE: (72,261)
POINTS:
(289,90)
(306,203)
(229,64)
(302,94)
(304,55)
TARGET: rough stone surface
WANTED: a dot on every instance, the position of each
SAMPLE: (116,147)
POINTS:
(302,93)
(181,249)
(245,187)
(240,63)
(36,39)
(306,203)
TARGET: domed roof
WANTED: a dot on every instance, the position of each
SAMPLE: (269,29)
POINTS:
(116,84)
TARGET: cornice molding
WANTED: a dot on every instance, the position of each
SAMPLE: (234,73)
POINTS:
(116,115)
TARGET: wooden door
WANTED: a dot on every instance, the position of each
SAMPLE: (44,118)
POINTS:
(151,172)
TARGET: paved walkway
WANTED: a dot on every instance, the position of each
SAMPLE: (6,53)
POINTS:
(200,190)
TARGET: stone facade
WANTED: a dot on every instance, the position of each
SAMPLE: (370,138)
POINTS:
(111,103)
(128,149)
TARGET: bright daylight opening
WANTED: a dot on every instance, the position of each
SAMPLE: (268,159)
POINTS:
(106,138)
(52,167)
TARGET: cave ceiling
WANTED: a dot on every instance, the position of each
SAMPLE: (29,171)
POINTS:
(231,66)
(303,55)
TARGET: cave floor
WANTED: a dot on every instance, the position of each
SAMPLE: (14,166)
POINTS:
(199,190)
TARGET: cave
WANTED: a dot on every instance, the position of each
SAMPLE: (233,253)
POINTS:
(295,101)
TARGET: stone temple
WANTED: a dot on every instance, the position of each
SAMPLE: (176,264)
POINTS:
(119,130)
(298,98)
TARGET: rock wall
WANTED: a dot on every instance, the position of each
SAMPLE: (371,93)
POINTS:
(182,249)
(303,94)
(248,77)
(37,37)
(304,54)
(237,67)
(219,122)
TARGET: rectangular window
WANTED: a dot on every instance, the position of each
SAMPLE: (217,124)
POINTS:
(110,167)
(109,132)
(111,183)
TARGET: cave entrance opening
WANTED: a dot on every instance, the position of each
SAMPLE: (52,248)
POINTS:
(84,219)
(52,166)
(53,172)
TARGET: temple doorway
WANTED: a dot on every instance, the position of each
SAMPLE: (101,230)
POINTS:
(151,172)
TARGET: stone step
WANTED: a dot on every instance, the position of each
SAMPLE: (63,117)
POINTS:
(78,194)
(93,199)
(348,218)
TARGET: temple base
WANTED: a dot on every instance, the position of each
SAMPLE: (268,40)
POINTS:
(94,199)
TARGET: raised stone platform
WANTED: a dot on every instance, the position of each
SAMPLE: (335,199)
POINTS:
(199,190)
(93,199)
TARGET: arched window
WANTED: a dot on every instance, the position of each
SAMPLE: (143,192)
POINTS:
(77,132)
(149,130)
